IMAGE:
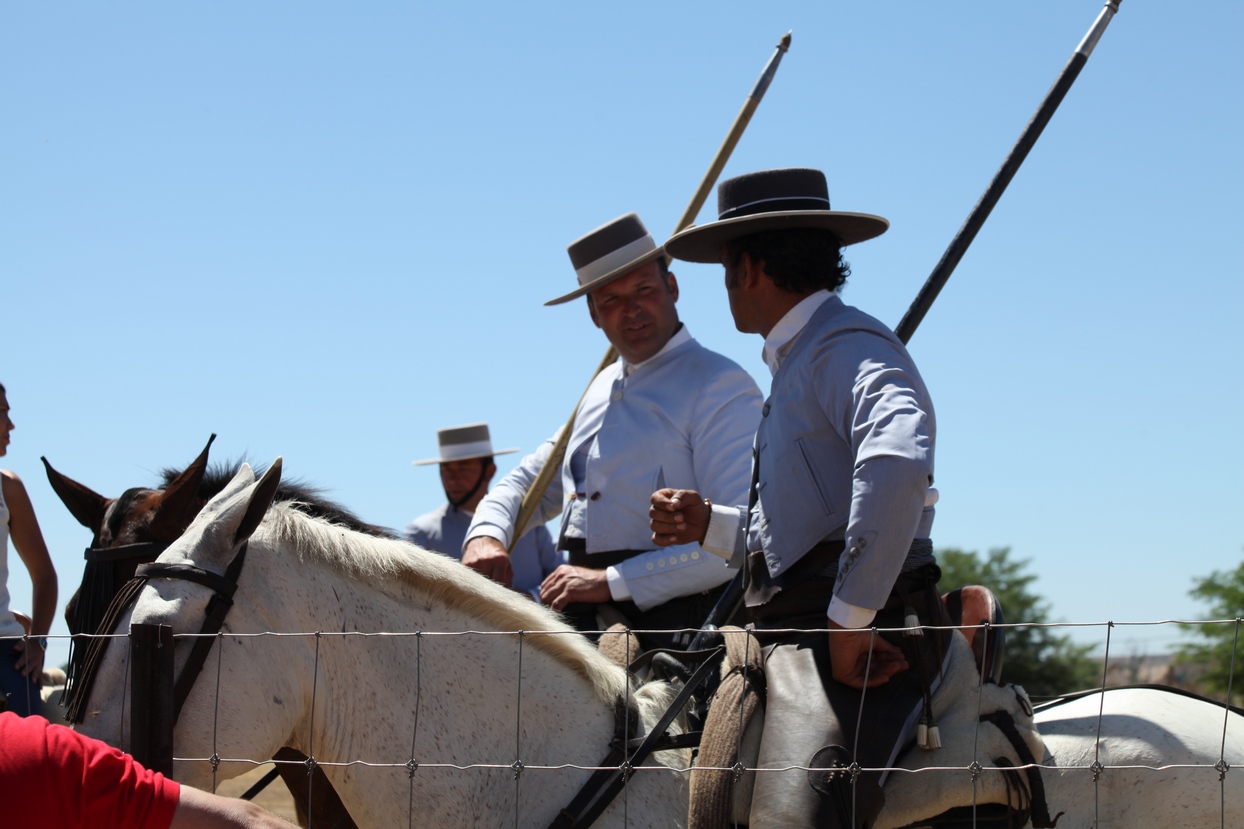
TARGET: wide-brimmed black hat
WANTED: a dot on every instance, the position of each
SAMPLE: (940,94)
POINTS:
(608,252)
(771,200)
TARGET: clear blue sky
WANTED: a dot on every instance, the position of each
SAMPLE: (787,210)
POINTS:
(324,230)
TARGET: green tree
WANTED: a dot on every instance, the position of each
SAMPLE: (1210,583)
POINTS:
(1045,663)
(1218,652)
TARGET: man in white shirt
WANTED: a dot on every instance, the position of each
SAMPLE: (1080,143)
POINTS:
(668,413)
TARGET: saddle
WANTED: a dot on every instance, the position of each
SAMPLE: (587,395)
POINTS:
(1003,735)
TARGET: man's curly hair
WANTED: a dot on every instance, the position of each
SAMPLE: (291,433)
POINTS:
(800,260)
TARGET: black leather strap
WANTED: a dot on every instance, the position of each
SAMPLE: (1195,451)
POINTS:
(147,550)
(604,784)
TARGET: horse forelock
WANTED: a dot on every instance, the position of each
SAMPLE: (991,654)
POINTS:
(384,563)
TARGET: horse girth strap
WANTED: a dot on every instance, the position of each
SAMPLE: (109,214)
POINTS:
(605,783)
(1036,786)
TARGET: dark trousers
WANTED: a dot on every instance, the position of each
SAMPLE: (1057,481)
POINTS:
(811,720)
(666,619)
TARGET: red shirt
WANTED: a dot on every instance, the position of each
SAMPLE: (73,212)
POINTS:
(53,776)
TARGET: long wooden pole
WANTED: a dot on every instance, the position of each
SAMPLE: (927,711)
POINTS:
(552,465)
(732,598)
(959,245)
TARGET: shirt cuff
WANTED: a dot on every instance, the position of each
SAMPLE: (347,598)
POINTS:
(848,615)
(489,531)
(617,585)
(723,531)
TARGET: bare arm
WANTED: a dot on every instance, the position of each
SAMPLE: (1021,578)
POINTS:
(28,541)
(197,809)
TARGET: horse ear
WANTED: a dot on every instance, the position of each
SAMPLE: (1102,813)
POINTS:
(86,505)
(180,501)
(261,499)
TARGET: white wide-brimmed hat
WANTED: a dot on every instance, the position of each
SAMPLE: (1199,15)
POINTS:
(610,251)
(461,443)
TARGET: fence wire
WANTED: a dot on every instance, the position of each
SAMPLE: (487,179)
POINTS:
(523,767)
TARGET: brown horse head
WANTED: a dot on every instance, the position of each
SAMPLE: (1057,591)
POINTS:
(138,515)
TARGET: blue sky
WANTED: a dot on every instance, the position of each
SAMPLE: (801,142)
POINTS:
(325,230)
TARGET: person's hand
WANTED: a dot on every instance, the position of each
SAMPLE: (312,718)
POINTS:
(30,660)
(487,556)
(848,653)
(678,516)
(569,584)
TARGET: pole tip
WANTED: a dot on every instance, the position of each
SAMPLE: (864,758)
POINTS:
(784,43)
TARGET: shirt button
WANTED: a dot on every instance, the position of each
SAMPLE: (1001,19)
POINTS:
(695,555)
(863,542)
(617,395)
(661,562)
(765,410)
(595,496)
(651,566)
(683,557)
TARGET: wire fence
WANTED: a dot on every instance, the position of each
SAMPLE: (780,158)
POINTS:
(1204,759)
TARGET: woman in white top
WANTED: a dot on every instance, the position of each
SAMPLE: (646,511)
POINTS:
(21,660)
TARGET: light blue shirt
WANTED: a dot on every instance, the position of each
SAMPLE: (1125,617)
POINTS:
(684,418)
(444,531)
(845,449)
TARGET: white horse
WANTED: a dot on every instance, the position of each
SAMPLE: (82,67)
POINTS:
(460,700)
(1158,750)
(1121,758)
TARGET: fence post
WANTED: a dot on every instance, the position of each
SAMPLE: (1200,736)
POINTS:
(151,696)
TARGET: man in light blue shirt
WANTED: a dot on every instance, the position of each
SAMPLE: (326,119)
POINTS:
(668,413)
(836,531)
(466,468)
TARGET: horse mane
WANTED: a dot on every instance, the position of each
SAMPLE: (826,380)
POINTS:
(305,497)
(383,562)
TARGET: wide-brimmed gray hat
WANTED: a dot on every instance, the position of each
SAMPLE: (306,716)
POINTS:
(793,197)
(608,252)
(461,443)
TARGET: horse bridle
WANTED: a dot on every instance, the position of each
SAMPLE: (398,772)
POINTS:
(222,587)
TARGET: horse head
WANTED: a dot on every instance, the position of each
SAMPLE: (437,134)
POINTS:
(138,515)
(126,531)
(214,544)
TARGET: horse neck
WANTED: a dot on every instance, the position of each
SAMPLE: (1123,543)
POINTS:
(434,697)
(456,681)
